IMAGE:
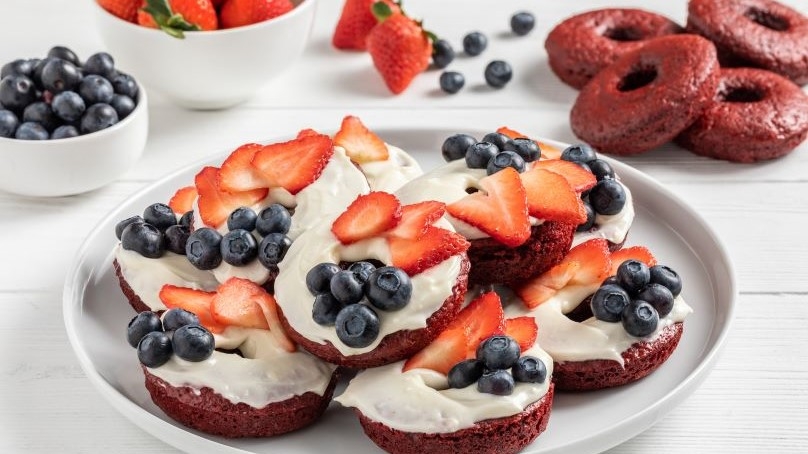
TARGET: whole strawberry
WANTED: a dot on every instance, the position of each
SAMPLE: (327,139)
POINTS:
(399,46)
(125,9)
(177,16)
(236,13)
(355,23)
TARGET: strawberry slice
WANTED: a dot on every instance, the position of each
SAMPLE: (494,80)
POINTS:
(481,319)
(500,209)
(586,264)
(550,197)
(640,253)
(448,349)
(295,164)
(308,132)
(547,151)
(237,173)
(579,178)
(361,144)
(435,245)
(183,200)
(417,218)
(523,330)
(215,204)
(192,300)
(368,216)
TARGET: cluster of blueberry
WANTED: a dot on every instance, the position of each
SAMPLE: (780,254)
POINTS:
(495,152)
(495,356)
(57,97)
(156,232)
(497,73)
(178,333)
(637,296)
(338,294)
(607,197)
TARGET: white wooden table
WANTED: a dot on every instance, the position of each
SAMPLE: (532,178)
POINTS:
(755,399)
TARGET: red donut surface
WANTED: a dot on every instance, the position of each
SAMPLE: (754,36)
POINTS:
(648,96)
(760,33)
(755,115)
(582,45)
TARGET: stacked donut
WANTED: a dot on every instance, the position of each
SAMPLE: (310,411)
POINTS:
(723,87)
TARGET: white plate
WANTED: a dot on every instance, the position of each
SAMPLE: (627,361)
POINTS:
(96,314)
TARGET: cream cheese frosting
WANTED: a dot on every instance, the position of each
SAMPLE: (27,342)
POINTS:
(392,173)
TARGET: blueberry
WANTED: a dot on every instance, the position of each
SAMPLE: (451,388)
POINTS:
(239,247)
(187,219)
(584,166)
(580,152)
(60,75)
(19,67)
(98,117)
(176,238)
(65,132)
(465,373)
(160,215)
(504,160)
(8,123)
(141,325)
(120,226)
(607,197)
(442,53)
(389,288)
(659,296)
(498,139)
(601,169)
(16,92)
(123,105)
(193,343)
(95,89)
(154,349)
(664,275)
(65,54)
(528,149)
(479,154)
(498,352)
(325,309)
(175,318)
(452,81)
(273,249)
(474,43)
(454,147)
(529,369)
(102,64)
(497,382)
(633,275)
(640,318)
(31,131)
(346,288)
(318,279)
(608,303)
(202,248)
(242,218)
(362,270)
(124,84)
(590,219)
(274,219)
(357,325)
(143,238)
(36,76)
(498,73)
(522,23)
(68,106)
(611,280)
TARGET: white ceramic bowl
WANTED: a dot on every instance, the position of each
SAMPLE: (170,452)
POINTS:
(50,168)
(209,69)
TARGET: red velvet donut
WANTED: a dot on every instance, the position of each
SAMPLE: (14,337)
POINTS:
(755,115)
(648,96)
(582,45)
(760,33)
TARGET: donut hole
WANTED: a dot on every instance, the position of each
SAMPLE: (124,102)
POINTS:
(767,19)
(637,78)
(471,190)
(741,94)
(623,34)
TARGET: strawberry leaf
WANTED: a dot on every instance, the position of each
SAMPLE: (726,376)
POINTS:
(167,20)
(381,11)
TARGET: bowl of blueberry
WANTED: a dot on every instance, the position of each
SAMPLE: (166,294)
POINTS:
(68,126)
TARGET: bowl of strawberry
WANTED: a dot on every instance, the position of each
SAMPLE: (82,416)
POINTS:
(206,54)
(68,126)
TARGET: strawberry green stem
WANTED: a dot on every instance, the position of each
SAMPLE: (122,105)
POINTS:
(168,21)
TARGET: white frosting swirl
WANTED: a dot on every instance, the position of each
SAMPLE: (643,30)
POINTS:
(392,173)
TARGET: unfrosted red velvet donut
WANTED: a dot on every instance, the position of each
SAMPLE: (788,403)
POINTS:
(756,115)
(648,96)
(582,45)
(760,33)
